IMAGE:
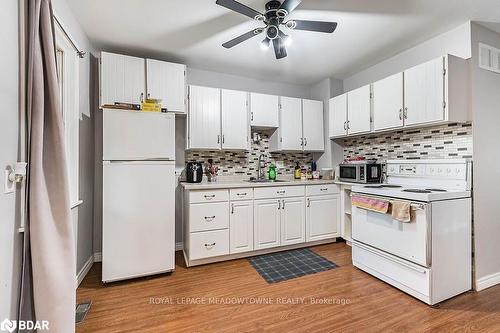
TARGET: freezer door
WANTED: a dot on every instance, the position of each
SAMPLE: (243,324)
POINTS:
(138,219)
(137,135)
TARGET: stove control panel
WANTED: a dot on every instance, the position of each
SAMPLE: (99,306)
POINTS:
(438,170)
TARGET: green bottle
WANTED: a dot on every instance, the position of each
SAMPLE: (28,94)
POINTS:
(272,172)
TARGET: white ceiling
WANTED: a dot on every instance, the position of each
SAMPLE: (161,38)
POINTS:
(192,31)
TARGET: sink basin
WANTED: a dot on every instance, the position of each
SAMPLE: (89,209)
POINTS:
(264,181)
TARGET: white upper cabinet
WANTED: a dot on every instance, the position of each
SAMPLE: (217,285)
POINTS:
(235,122)
(337,123)
(123,79)
(312,119)
(288,137)
(204,121)
(388,103)
(264,110)
(167,81)
(424,93)
(359,110)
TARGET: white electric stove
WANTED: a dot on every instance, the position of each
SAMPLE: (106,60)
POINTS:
(429,257)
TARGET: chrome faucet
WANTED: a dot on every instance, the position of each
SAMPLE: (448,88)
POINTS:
(260,174)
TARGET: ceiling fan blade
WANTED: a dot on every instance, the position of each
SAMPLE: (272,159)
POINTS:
(242,38)
(239,8)
(290,5)
(279,48)
(317,26)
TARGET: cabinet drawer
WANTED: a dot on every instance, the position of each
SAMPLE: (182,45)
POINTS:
(322,189)
(208,196)
(208,216)
(208,244)
(241,194)
(279,192)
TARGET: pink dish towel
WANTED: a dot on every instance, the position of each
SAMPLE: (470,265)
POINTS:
(376,205)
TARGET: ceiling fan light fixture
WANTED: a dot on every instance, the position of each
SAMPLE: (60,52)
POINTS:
(264,45)
(291,24)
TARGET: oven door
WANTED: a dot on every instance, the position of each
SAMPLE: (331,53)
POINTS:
(409,241)
(349,173)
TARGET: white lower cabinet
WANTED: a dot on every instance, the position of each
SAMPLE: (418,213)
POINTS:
(241,227)
(322,217)
(293,219)
(266,223)
(209,244)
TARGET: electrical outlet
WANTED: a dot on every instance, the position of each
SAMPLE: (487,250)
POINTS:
(9,187)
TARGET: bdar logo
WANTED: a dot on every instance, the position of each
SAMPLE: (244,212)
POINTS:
(8,325)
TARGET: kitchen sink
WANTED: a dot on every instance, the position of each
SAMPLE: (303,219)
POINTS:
(264,181)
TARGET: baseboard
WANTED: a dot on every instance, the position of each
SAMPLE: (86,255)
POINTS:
(179,246)
(85,269)
(98,257)
(488,281)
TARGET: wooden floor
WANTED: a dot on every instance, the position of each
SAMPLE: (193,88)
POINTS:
(359,302)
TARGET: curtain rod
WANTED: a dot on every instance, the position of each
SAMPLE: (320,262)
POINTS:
(79,52)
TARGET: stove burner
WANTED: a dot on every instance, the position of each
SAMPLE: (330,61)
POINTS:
(391,186)
(414,190)
(436,190)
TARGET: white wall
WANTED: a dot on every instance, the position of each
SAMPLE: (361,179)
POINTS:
(10,238)
(455,41)
(486,136)
(84,220)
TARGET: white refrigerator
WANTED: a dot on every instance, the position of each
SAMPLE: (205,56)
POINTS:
(138,220)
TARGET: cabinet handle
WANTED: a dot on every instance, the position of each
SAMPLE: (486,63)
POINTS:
(280,192)
(232,208)
(209,218)
(279,204)
(251,116)
(305,141)
(348,124)
(210,246)
(142,97)
(209,197)
(400,114)
(405,113)
(222,138)
(323,189)
(218,138)
(345,125)
(308,202)
(283,204)
(148,95)
(241,194)
(302,142)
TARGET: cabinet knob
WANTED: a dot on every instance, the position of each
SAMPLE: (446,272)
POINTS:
(308,202)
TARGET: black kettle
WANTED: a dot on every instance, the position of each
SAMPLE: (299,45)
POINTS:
(194,172)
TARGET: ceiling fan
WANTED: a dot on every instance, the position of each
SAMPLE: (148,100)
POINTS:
(273,18)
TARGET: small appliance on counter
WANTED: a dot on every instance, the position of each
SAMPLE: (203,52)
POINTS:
(194,172)
(360,172)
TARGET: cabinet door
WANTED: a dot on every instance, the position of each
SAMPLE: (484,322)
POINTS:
(424,93)
(241,227)
(388,102)
(312,119)
(358,110)
(322,217)
(204,118)
(266,223)
(167,81)
(264,110)
(290,124)
(235,127)
(337,116)
(293,219)
(123,79)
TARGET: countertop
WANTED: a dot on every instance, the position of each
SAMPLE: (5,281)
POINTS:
(233,183)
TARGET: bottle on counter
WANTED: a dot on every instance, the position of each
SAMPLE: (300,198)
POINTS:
(272,172)
(297,173)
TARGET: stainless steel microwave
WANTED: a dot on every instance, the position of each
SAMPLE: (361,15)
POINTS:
(361,173)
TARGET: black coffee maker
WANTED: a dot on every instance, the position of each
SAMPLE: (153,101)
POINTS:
(194,172)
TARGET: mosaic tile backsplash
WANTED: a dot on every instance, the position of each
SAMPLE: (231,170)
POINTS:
(245,163)
(444,141)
